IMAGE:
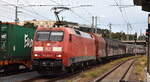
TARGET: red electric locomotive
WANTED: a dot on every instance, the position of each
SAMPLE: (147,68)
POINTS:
(58,49)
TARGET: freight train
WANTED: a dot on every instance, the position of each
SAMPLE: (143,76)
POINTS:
(62,49)
(15,46)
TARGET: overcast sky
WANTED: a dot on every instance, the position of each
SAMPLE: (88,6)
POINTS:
(103,9)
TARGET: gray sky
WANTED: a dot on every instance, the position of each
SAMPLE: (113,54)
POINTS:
(101,8)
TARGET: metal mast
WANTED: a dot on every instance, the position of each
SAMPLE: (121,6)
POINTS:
(16,13)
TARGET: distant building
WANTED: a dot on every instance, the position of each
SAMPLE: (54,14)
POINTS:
(41,23)
(50,23)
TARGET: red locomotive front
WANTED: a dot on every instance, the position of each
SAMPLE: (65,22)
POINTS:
(55,49)
(47,49)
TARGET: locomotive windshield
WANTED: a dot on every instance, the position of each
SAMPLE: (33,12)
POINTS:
(50,36)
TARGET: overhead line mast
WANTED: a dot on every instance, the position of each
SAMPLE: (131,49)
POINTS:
(16,14)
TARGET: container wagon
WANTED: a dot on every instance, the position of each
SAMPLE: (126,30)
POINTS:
(15,46)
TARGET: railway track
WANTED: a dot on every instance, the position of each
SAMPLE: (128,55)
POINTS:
(5,74)
(54,78)
(35,77)
(119,73)
(19,77)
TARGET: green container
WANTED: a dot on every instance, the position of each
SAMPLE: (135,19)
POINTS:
(15,42)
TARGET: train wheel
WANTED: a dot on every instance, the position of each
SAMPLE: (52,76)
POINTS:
(87,63)
(1,67)
(99,60)
(5,69)
(1,70)
(72,69)
(11,68)
(63,68)
(84,66)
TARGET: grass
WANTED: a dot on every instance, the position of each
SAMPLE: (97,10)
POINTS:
(139,68)
(91,74)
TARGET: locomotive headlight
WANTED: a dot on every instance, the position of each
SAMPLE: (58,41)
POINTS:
(58,55)
(38,48)
(57,49)
(36,55)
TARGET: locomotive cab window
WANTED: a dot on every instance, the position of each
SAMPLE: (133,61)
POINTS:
(50,36)
(43,36)
(56,36)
